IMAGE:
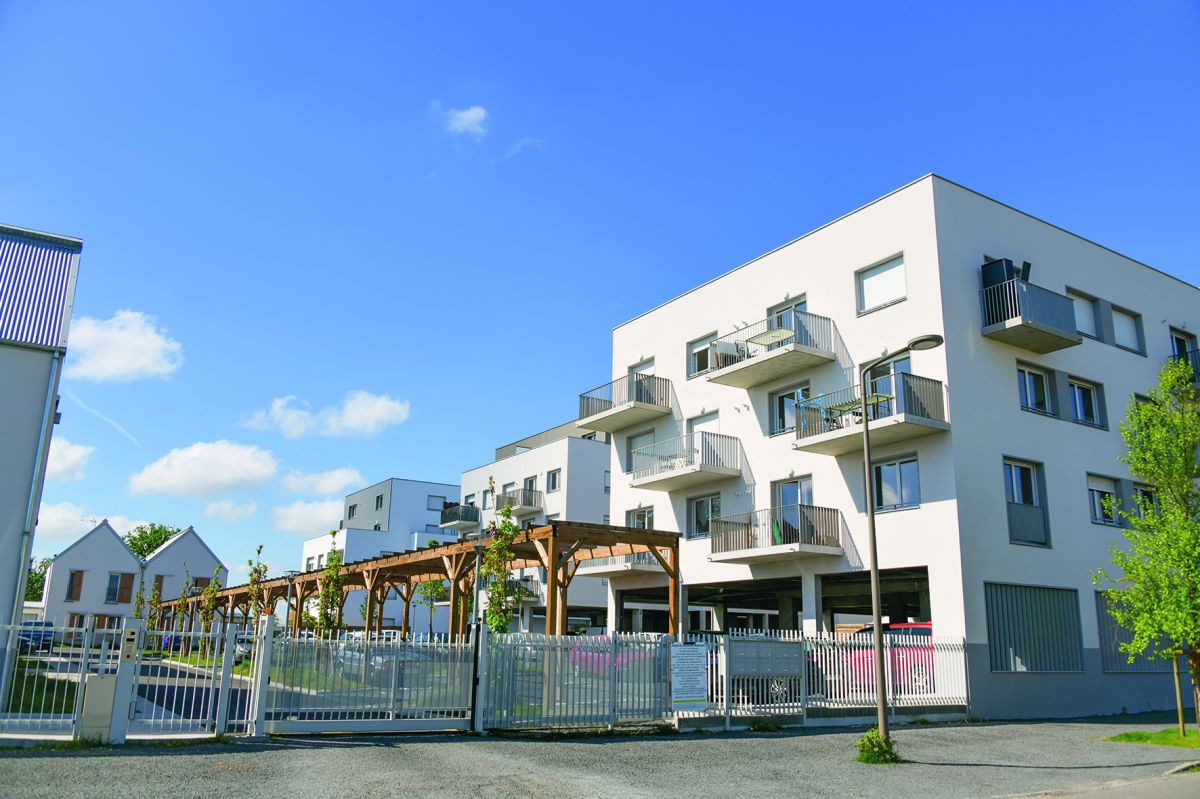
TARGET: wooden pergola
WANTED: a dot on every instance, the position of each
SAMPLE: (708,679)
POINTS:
(558,547)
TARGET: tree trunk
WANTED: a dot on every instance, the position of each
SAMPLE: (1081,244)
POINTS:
(1193,656)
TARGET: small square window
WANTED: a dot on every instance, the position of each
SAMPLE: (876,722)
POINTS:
(469,500)
(553,480)
(642,518)
(377,527)
(1034,390)
(433,502)
(784,405)
(1127,329)
(379,502)
(698,353)
(352,511)
(880,285)
(1085,313)
(1102,493)
(701,513)
(1084,407)
(897,485)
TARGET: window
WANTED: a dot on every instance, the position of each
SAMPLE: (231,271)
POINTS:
(1020,484)
(1034,390)
(469,500)
(553,480)
(320,561)
(530,484)
(589,436)
(1143,497)
(1032,628)
(377,527)
(607,481)
(379,502)
(114,585)
(881,285)
(606,518)
(783,408)
(433,502)
(488,498)
(1102,492)
(701,512)
(352,511)
(1026,513)
(1181,344)
(791,315)
(1127,330)
(697,355)
(897,485)
(636,442)
(74,586)
(1085,313)
(1112,635)
(309,564)
(1084,407)
(504,489)
(158,583)
(432,529)
(642,518)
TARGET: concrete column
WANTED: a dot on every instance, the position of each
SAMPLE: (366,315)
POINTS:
(923,599)
(789,606)
(684,611)
(614,608)
(810,603)
(718,618)
(637,620)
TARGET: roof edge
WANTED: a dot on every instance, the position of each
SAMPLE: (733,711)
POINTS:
(67,242)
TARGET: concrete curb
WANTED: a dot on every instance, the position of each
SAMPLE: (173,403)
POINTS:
(1181,768)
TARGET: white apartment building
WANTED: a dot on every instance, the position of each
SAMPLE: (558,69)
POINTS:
(735,416)
(560,473)
(395,515)
(99,575)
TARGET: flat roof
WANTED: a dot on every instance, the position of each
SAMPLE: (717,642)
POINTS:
(69,242)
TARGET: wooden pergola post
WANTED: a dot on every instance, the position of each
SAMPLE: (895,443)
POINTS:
(670,565)
(550,554)
(369,576)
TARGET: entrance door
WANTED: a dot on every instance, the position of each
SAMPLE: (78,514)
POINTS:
(642,383)
(886,389)
(792,316)
(704,449)
(791,521)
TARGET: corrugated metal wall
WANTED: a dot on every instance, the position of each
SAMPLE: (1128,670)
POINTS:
(35,288)
(1031,628)
(1112,635)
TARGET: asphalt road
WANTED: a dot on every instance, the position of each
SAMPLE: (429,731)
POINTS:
(944,761)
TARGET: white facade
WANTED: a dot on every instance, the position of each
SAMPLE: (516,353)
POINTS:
(904,266)
(99,575)
(565,477)
(395,515)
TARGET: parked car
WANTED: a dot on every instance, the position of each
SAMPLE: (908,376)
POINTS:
(35,636)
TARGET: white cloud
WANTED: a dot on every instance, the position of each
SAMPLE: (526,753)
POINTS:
(470,121)
(129,346)
(206,468)
(228,511)
(324,483)
(59,524)
(67,461)
(309,518)
(360,414)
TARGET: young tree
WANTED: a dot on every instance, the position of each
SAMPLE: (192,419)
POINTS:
(429,594)
(1154,592)
(154,604)
(329,598)
(254,588)
(139,600)
(35,585)
(208,606)
(145,538)
(504,595)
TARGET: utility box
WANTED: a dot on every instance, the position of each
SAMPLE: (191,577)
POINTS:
(99,696)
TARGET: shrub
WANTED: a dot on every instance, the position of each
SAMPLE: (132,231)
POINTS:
(874,748)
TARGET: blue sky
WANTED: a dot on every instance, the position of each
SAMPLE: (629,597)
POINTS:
(422,224)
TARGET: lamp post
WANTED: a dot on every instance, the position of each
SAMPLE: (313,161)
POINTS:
(920,343)
(290,574)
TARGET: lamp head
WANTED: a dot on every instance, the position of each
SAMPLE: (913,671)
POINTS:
(929,342)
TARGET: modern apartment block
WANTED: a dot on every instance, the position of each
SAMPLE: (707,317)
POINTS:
(395,515)
(736,419)
(560,473)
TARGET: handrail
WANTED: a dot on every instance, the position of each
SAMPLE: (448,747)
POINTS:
(1192,357)
(887,396)
(701,448)
(647,389)
(787,524)
(1018,299)
(519,497)
(1026,523)
(778,330)
(460,513)
(633,559)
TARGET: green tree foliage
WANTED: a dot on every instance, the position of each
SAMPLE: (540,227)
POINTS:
(139,600)
(145,538)
(1154,590)
(35,584)
(329,598)
(154,608)
(254,587)
(429,593)
(504,594)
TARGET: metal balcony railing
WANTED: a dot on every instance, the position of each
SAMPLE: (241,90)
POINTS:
(1027,523)
(519,498)
(788,524)
(635,559)
(461,514)
(772,333)
(649,389)
(685,452)
(886,396)
(1017,299)
(1192,357)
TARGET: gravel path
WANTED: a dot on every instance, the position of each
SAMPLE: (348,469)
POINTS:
(944,761)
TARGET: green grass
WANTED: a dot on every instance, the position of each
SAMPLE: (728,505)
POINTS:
(33,693)
(197,659)
(1167,737)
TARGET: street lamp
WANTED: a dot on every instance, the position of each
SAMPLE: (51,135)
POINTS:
(290,574)
(928,342)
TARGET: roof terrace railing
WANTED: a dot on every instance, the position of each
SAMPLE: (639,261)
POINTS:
(701,448)
(648,389)
(1017,299)
(889,395)
(460,513)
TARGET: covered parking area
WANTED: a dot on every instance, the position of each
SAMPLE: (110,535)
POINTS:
(759,604)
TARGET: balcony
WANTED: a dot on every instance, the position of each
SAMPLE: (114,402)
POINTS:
(524,501)
(696,458)
(774,348)
(782,533)
(459,517)
(1028,316)
(624,402)
(1027,524)
(899,407)
(1193,359)
(615,566)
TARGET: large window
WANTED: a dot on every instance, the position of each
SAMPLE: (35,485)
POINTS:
(1085,407)
(1102,494)
(701,512)
(433,502)
(1033,386)
(897,484)
(642,518)
(880,285)
(74,586)
(114,585)
(1127,330)
(783,408)
(530,483)
(697,355)
(1031,628)
(635,442)
(1085,313)
(1026,512)
(553,480)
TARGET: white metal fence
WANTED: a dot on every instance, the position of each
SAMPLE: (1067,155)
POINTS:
(564,681)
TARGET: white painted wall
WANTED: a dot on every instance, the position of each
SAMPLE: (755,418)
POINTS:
(182,555)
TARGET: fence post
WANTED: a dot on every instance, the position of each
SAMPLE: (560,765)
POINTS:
(89,624)
(126,681)
(804,679)
(262,673)
(479,696)
(727,678)
(612,680)
(227,663)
